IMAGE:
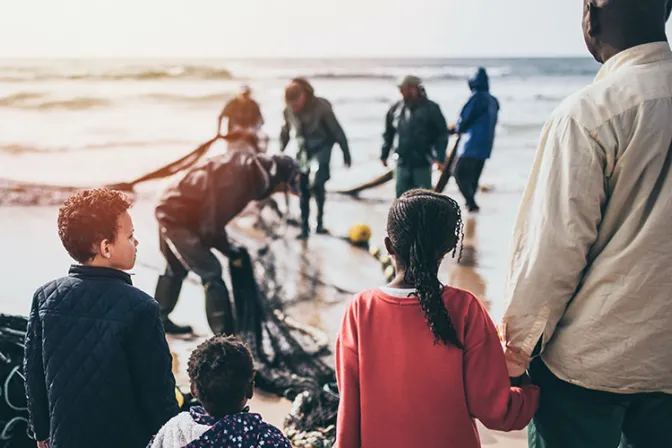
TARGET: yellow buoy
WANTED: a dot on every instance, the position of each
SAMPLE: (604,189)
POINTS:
(389,273)
(179,397)
(359,234)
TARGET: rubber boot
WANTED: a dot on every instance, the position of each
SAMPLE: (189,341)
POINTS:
(166,294)
(218,308)
(320,197)
(305,216)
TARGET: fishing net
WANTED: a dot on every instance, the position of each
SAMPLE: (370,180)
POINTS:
(13,406)
(287,354)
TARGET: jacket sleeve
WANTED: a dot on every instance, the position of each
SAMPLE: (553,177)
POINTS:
(336,131)
(151,367)
(490,397)
(441,130)
(476,105)
(390,132)
(284,132)
(557,224)
(347,376)
(33,368)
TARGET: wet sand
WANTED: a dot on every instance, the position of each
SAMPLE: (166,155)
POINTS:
(33,255)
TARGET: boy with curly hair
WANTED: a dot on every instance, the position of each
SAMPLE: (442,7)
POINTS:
(221,370)
(97,365)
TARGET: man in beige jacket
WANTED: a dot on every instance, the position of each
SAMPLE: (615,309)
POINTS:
(590,281)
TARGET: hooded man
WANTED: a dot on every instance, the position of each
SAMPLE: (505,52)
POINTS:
(192,216)
(421,133)
(476,125)
(316,130)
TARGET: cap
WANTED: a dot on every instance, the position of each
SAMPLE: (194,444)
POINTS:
(410,81)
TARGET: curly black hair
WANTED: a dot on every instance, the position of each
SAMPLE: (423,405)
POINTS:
(423,227)
(89,217)
(221,369)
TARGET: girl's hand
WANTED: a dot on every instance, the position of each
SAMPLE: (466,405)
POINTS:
(43,444)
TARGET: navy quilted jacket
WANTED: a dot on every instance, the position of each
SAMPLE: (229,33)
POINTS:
(97,365)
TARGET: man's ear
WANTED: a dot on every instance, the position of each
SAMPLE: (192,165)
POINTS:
(593,19)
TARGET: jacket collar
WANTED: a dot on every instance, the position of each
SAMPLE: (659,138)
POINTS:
(80,271)
(639,55)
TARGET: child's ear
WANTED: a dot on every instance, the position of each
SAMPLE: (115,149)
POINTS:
(250,390)
(388,245)
(104,249)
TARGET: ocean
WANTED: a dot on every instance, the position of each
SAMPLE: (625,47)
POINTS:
(91,122)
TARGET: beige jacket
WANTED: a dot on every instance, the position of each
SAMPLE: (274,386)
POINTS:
(591,270)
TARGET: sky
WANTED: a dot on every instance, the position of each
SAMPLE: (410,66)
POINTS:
(290,28)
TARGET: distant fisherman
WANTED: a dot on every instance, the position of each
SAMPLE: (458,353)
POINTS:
(243,117)
(422,136)
(316,130)
(477,128)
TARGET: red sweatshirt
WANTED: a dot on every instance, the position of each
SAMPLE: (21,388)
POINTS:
(398,389)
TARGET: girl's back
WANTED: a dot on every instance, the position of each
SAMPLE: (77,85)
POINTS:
(399,388)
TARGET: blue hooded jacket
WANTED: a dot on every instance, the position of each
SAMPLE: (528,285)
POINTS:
(478,119)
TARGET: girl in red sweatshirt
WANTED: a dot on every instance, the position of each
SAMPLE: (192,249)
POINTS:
(416,361)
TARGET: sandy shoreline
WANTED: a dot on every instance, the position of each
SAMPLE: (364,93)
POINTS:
(34,256)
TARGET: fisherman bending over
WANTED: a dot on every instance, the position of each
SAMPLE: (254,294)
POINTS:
(316,130)
(192,216)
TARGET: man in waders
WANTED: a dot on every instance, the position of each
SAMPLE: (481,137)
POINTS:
(243,118)
(476,125)
(422,136)
(192,216)
(316,130)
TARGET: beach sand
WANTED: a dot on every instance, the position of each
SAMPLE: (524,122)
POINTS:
(34,255)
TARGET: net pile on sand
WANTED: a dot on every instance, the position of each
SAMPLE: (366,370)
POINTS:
(13,406)
(288,355)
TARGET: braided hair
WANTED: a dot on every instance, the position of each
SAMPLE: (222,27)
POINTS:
(423,227)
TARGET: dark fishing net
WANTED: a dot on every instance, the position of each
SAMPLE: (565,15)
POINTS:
(287,354)
(13,406)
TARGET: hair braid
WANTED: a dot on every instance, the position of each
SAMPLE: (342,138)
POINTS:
(417,228)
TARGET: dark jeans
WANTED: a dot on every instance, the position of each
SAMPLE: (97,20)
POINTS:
(185,251)
(467,173)
(571,416)
(318,190)
(409,178)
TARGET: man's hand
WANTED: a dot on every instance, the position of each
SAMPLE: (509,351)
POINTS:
(384,162)
(516,362)
(451,128)
(348,163)
(43,444)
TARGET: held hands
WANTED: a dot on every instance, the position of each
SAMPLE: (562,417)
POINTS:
(516,361)
(43,444)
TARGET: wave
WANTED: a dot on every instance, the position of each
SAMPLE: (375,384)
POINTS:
(174,98)
(18,148)
(40,101)
(522,127)
(186,72)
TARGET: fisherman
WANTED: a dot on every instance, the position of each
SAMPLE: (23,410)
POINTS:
(422,136)
(476,127)
(243,118)
(316,130)
(192,216)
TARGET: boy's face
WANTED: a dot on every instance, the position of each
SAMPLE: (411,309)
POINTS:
(121,254)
